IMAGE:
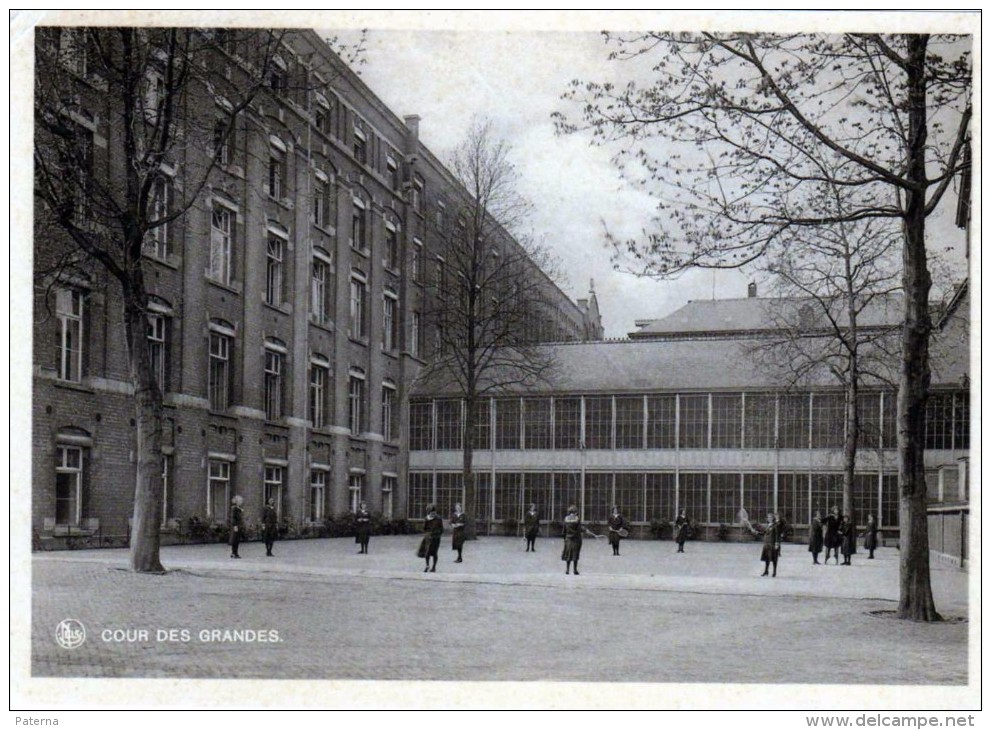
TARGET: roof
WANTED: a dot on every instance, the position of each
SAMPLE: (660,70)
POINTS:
(754,315)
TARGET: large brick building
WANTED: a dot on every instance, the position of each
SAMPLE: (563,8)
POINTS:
(287,317)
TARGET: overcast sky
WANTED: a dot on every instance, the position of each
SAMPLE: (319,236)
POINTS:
(516,80)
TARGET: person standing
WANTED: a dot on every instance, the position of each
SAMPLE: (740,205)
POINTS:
(236,524)
(772,544)
(433,525)
(458,522)
(870,537)
(815,537)
(681,527)
(531,526)
(270,526)
(848,539)
(616,523)
(831,537)
(573,529)
(363,528)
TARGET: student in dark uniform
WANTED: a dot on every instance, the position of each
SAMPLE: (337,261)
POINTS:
(681,527)
(573,529)
(236,524)
(363,528)
(815,537)
(531,525)
(870,537)
(831,536)
(458,521)
(616,523)
(848,539)
(433,525)
(270,526)
(772,544)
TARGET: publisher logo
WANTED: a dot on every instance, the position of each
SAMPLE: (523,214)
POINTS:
(70,634)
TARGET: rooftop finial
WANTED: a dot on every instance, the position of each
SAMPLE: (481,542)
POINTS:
(591,286)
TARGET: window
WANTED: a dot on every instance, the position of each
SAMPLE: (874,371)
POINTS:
(567,423)
(661,431)
(793,499)
(274,360)
(388,411)
(277,174)
(69,310)
(420,425)
(223,142)
(157,243)
(415,334)
(693,496)
(694,422)
(441,213)
(389,321)
(598,422)
(598,497)
(939,421)
(537,423)
(218,383)
(448,424)
(218,490)
(727,420)
(360,146)
(358,226)
(537,490)
(567,491)
(273,270)
(420,489)
(68,485)
(278,79)
(659,496)
(356,484)
(391,257)
(758,421)
(724,498)
(319,376)
(629,422)
(318,492)
(449,491)
(156,348)
(828,422)
(356,401)
(322,204)
(508,496)
(221,244)
(758,498)
(507,423)
(388,490)
(483,423)
(415,261)
(321,113)
(320,286)
(392,171)
(793,421)
(274,476)
(869,418)
(416,193)
(359,295)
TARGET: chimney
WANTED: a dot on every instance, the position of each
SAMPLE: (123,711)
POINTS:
(412,133)
(752,290)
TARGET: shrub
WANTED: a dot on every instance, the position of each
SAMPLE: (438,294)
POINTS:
(660,529)
(510,525)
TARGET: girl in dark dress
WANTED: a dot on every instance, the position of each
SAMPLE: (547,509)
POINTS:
(458,522)
(831,538)
(815,537)
(270,526)
(573,529)
(237,524)
(531,524)
(433,525)
(772,544)
(616,523)
(848,539)
(681,526)
(870,537)
(363,523)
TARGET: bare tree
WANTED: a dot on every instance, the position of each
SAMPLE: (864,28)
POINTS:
(489,292)
(169,104)
(757,130)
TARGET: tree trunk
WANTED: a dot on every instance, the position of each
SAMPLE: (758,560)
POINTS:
(468,472)
(147,519)
(915,599)
(850,442)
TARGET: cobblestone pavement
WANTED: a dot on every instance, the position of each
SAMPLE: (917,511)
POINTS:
(649,615)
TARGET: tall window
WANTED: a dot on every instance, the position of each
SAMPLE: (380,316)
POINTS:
(157,243)
(629,422)
(356,401)
(758,421)
(793,421)
(156,348)
(318,491)
(277,174)
(218,383)
(218,490)
(661,431)
(223,142)
(274,361)
(359,223)
(320,286)
(388,411)
(221,244)
(828,423)
(360,147)
(319,371)
(359,295)
(389,321)
(391,254)
(758,497)
(724,498)
(567,423)
(356,484)
(388,490)
(274,476)
(278,80)
(415,334)
(727,418)
(507,422)
(322,203)
(392,172)
(416,260)
(693,495)
(69,310)
(273,269)
(448,424)
(508,496)
(68,485)
(82,176)
(598,422)
(694,422)
(417,194)
(537,423)
(420,425)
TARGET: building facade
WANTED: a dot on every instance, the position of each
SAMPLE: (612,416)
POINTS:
(286,319)
(681,416)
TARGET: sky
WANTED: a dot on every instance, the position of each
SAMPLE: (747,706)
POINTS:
(515,79)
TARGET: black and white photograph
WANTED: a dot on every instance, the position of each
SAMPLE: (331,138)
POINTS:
(496,360)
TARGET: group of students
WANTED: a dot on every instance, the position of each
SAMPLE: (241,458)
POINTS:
(270,526)
(838,535)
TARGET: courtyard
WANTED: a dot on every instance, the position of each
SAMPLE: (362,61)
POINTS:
(319,610)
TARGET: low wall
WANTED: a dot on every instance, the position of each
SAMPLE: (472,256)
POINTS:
(948,532)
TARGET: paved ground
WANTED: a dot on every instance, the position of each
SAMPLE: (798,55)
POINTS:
(648,616)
